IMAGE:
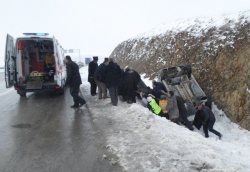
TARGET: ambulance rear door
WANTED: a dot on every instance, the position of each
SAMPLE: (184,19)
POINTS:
(9,62)
(57,61)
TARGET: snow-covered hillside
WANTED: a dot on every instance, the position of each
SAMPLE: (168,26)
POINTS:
(202,24)
(145,142)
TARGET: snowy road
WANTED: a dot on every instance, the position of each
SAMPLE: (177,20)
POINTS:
(42,133)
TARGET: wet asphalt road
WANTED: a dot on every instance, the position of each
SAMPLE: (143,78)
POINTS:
(41,133)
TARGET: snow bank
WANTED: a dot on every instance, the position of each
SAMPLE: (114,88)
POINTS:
(197,25)
(145,142)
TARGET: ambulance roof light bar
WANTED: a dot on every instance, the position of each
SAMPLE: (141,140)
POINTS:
(36,34)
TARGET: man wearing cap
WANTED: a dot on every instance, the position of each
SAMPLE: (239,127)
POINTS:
(99,79)
(92,68)
(208,120)
(112,75)
(74,81)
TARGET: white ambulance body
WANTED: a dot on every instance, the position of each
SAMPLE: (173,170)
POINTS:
(25,58)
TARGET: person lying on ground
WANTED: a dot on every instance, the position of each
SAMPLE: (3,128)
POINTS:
(154,107)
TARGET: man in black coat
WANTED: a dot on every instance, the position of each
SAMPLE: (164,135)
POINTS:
(92,68)
(99,79)
(208,120)
(160,85)
(156,92)
(183,112)
(112,75)
(74,81)
(120,84)
(141,86)
(129,86)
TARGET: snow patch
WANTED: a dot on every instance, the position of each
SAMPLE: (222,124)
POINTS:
(146,142)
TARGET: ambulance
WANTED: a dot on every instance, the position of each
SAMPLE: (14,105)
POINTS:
(25,63)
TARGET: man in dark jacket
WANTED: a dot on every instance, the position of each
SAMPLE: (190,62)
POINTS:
(74,81)
(99,79)
(112,75)
(129,86)
(141,86)
(208,120)
(183,112)
(160,85)
(156,92)
(92,68)
(120,84)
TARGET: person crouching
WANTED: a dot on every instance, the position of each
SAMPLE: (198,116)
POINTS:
(154,107)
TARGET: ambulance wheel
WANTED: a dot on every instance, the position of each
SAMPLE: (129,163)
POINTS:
(61,91)
(21,93)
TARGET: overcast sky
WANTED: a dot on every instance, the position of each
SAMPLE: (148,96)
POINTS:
(96,27)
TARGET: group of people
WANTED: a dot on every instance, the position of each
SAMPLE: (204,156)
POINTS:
(109,77)
(173,107)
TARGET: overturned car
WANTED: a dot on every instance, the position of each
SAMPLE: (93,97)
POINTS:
(180,80)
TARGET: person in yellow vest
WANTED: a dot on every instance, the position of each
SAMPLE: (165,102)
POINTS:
(154,107)
(163,103)
(50,62)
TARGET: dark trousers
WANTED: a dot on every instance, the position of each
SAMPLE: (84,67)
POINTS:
(74,93)
(130,97)
(209,126)
(93,87)
(113,95)
(186,121)
(161,114)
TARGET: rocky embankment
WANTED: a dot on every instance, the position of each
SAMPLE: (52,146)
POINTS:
(217,48)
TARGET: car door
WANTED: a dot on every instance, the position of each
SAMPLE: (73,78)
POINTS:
(9,62)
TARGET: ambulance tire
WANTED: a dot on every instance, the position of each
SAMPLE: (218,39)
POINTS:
(61,91)
(21,93)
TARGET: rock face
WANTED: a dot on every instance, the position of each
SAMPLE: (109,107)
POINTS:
(217,49)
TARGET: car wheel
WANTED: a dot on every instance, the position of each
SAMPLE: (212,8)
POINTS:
(209,102)
(188,70)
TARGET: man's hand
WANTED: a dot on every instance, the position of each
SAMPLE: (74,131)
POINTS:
(162,91)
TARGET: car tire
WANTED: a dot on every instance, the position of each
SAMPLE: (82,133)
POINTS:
(162,76)
(188,69)
(209,102)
